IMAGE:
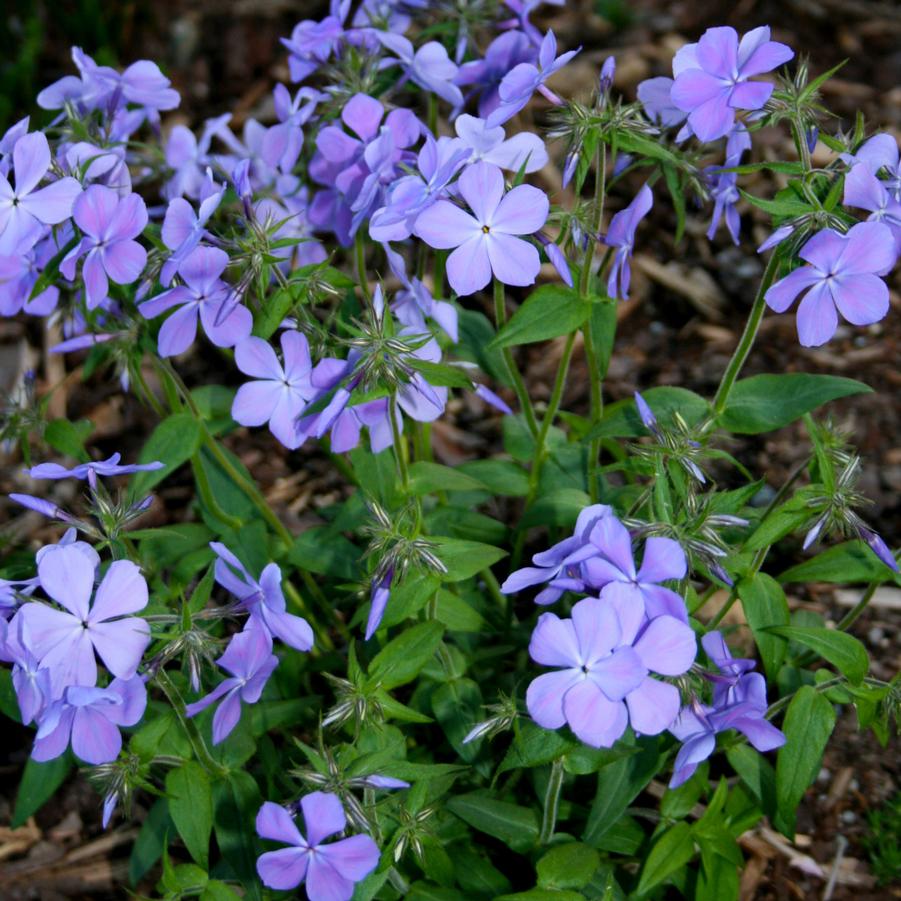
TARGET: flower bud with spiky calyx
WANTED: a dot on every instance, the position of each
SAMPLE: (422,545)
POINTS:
(678,443)
(117,782)
(501,717)
(22,415)
(396,544)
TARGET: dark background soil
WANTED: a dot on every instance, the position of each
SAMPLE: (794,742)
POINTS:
(679,328)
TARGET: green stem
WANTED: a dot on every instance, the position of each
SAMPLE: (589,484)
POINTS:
(360,248)
(400,447)
(551,802)
(201,752)
(205,490)
(747,339)
(522,395)
(851,616)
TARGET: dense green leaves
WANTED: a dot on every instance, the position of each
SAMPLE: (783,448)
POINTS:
(465,558)
(567,866)
(236,800)
(670,852)
(403,658)
(621,419)
(763,403)
(173,442)
(763,601)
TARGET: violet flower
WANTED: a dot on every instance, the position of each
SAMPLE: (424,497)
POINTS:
(865,191)
(312,43)
(203,295)
(524,150)
(414,303)
(282,143)
(655,95)
(611,567)
(427,66)
(183,229)
(330,871)
(90,718)
(560,566)
(880,154)
(604,679)
(31,681)
(379,596)
(521,82)
(68,638)
(486,243)
(280,391)
(110,224)
(503,54)
(842,276)
(711,77)
(108,468)
(263,599)
(250,660)
(26,208)
(621,235)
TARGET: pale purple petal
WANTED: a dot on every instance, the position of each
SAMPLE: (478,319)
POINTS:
(121,644)
(862,299)
(667,646)
(653,706)
(595,719)
(444,225)
(67,576)
(275,823)
(482,187)
(469,266)
(782,295)
(869,248)
(513,260)
(323,816)
(354,857)
(284,869)
(544,697)
(255,402)
(817,317)
(255,357)
(94,738)
(663,559)
(554,642)
(122,591)
(522,211)
(325,883)
(178,332)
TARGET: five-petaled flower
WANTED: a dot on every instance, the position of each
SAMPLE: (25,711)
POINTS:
(331,870)
(485,240)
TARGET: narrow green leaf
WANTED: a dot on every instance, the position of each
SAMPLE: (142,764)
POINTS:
(808,724)
(764,604)
(671,851)
(402,659)
(548,312)
(69,437)
(191,808)
(763,403)
(465,558)
(621,419)
(843,651)
(426,478)
(38,784)
(843,564)
(173,442)
(517,826)
(236,801)
(567,866)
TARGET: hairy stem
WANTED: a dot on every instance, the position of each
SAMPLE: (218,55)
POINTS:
(551,802)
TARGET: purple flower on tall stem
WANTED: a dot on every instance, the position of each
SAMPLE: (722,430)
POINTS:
(250,661)
(603,681)
(110,224)
(263,599)
(90,718)
(711,77)
(486,240)
(329,870)
(521,82)
(621,236)
(841,276)
(26,208)
(68,638)
(280,391)
(203,295)
(503,54)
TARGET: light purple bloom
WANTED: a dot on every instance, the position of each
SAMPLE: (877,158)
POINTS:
(263,599)
(330,871)
(878,546)
(25,209)
(621,235)
(189,157)
(525,149)
(504,53)
(414,304)
(560,565)
(427,66)
(612,569)
(655,95)
(739,702)
(842,276)
(68,638)
(32,682)
(280,391)
(379,596)
(521,82)
(8,141)
(880,154)
(282,143)
(250,660)
(107,468)
(110,224)
(90,718)
(312,43)
(205,296)
(711,77)
(485,241)
(604,679)
(19,273)
(865,191)
(183,229)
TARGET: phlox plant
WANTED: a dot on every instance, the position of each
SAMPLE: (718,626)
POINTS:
(510,678)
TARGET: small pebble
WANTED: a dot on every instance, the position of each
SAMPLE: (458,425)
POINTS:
(848,816)
(875,635)
(824,775)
